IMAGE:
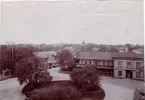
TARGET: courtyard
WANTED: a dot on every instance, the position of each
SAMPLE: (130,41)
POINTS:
(115,89)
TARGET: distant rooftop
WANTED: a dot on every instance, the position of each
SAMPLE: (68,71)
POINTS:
(139,51)
(96,55)
(45,54)
(108,55)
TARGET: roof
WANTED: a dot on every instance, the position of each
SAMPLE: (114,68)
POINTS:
(108,55)
(127,55)
(96,55)
(45,54)
(139,51)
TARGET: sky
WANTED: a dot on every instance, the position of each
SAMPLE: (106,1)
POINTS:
(73,21)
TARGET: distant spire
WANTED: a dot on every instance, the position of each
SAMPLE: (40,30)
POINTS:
(83,42)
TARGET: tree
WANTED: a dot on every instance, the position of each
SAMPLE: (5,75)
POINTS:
(66,59)
(87,78)
(11,54)
(32,69)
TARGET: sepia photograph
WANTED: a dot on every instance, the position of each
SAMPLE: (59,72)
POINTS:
(72,50)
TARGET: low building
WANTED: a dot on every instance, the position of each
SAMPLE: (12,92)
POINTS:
(139,51)
(128,65)
(49,56)
(100,60)
(123,49)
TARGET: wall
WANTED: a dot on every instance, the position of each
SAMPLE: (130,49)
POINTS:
(123,73)
(142,63)
(51,59)
(124,64)
(132,68)
(135,77)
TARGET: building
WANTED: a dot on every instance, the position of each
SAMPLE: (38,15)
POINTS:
(117,64)
(139,51)
(49,56)
(100,60)
(123,49)
(128,65)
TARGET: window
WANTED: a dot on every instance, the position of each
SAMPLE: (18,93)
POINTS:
(119,73)
(92,62)
(110,64)
(88,62)
(101,62)
(83,61)
(106,63)
(98,62)
(80,62)
(138,65)
(128,64)
(138,74)
(120,64)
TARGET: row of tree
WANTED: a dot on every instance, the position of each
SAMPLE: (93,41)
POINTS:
(80,47)
(10,55)
(23,64)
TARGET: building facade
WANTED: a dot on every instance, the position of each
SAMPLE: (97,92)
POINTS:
(100,60)
(51,61)
(129,66)
(118,65)
(50,58)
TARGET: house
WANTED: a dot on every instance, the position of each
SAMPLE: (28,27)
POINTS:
(123,49)
(96,49)
(128,65)
(49,56)
(139,51)
(100,60)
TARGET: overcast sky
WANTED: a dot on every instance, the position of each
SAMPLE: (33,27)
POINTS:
(102,22)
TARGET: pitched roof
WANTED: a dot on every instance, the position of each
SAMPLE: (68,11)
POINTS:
(108,55)
(139,51)
(96,55)
(45,54)
(127,55)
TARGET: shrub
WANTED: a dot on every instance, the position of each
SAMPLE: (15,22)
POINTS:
(43,77)
(66,58)
(38,81)
(55,92)
(30,86)
(67,69)
(32,69)
(87,79)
